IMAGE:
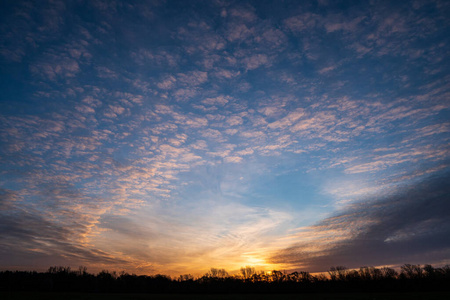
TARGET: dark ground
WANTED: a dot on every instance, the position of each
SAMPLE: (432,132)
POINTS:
(315,296)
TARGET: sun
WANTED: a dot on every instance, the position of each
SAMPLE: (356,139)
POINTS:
(255,261)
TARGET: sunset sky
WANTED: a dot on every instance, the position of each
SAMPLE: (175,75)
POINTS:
(175,136)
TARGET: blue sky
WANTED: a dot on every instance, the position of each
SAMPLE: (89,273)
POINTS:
(175,136)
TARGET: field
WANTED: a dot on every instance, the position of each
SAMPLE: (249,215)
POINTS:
(319,296)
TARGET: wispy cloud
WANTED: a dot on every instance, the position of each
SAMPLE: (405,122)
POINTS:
(408,226)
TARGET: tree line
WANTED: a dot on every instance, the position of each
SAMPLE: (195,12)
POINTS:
(64,279)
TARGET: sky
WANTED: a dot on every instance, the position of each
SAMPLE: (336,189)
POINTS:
(175,136)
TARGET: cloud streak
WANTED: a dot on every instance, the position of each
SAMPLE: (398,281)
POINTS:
(410,225)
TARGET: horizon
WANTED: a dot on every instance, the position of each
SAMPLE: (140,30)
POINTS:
(177,136)
(410,281)
(223,273)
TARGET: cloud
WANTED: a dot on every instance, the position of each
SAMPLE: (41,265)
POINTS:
(11,55)
(327,69)
(213,134)
(125,226)
(239,32)
(104,72)
(233,159)
(85,109)
(60,67)
(219,100)
(409,226)
(433,129)
(228,74)
(255,61)
(234,120)
(160,58)
(271,111)
(244,14)
(348,25)
(193,78)
(286,121)
(167,83)
(33,236)
(272,38)
(301,22)
(380,162)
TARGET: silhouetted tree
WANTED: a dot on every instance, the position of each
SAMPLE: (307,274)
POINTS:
(217,273)
(338,272)
(247,272)
(412,278)
(388,273)
(186,277)
(411,271)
